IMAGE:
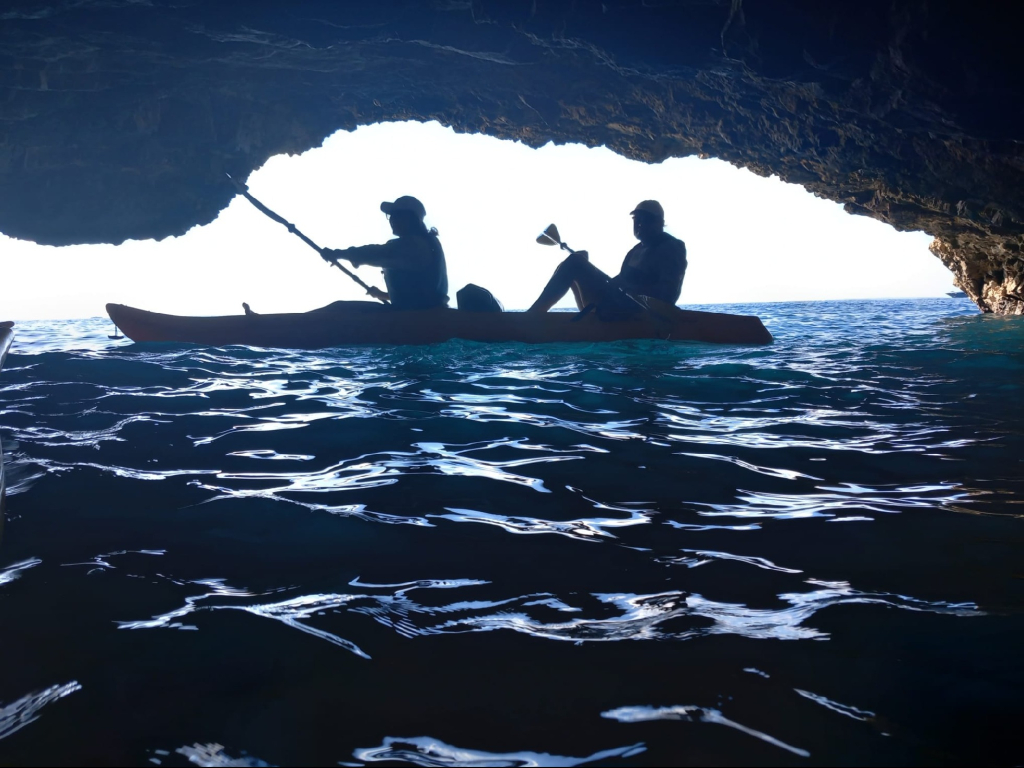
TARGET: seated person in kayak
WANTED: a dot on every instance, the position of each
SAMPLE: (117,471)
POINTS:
(653,267)
(413,262)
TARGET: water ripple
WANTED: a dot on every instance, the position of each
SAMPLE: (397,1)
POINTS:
(703,557)
(425,751)
(371,470)
(12,572)
(694,714)
(214,756)
(584,528)
(18,714)
(843,709)
(602,617)
(841,500)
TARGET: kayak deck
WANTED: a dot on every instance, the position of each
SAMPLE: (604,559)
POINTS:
(344,323)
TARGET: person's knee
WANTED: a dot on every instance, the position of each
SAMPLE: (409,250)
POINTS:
(574,263)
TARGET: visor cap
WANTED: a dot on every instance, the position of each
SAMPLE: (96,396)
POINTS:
(653,207)
(404,203)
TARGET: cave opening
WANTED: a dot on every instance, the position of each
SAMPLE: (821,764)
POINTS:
(750,239)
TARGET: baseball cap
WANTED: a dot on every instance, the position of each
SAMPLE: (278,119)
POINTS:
(404,203)
(652,207)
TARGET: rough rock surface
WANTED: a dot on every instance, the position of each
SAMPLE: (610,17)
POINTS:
(118,118)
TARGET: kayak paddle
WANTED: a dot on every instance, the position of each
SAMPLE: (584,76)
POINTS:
(244,191)
(550,237)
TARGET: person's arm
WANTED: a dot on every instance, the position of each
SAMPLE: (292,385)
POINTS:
(389,255)
(623,279)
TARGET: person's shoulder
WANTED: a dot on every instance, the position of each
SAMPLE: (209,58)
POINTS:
(407,243)
(417,245)
(673,243)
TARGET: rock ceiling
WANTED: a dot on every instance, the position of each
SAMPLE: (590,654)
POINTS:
(119,118)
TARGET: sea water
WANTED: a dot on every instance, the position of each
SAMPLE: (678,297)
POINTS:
(643,552)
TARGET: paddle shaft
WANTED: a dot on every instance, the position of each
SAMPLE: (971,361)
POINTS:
(244,191)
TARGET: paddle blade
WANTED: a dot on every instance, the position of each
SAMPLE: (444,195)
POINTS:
(549,236)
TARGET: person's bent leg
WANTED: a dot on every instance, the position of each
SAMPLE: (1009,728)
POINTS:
(560,283)
(577,294)
(591,286)
(575,273)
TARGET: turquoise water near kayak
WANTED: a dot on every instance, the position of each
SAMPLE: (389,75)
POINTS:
(464,554)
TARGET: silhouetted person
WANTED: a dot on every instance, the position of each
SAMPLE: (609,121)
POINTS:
(414,268)
(653,267)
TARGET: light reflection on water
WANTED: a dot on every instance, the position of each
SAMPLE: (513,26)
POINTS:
(208,522)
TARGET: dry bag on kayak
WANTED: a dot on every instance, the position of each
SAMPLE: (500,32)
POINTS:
(473,298)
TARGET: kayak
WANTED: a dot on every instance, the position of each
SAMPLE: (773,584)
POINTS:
(6,336)
(360,322)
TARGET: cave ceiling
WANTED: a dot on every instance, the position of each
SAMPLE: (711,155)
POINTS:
(119,118)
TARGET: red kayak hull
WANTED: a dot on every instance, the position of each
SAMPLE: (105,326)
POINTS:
(345,323)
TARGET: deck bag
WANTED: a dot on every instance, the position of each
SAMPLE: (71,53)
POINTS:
(473,298)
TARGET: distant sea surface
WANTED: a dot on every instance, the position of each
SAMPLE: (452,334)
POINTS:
(470,555)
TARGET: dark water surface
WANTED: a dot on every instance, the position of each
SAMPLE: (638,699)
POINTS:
(464,554)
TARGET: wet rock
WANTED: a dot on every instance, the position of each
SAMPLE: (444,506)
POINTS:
(118,118)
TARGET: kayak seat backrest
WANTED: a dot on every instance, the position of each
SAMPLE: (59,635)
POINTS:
(473,298)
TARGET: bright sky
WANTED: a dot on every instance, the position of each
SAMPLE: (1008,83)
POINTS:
(748,238)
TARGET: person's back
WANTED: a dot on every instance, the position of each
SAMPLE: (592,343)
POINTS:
(655,268)
(420,281)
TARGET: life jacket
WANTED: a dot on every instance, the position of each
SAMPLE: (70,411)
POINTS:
(420,287)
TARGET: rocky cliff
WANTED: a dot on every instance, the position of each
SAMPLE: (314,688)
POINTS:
(118,118)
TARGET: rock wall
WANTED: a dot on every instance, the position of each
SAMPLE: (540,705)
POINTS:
(119,118)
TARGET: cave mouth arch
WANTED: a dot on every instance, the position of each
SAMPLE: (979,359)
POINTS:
(121,118)
(750,239)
